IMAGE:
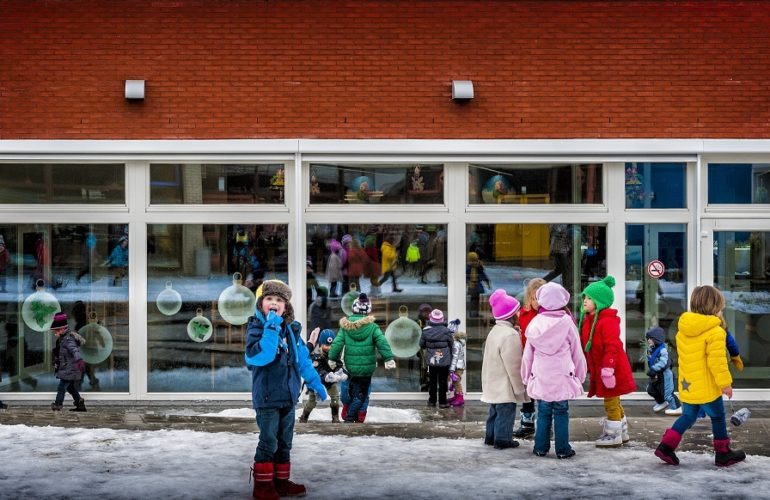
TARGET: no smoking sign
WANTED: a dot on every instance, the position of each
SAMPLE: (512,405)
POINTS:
(656,269)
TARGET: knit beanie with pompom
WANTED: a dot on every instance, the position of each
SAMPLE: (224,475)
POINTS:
(600,292)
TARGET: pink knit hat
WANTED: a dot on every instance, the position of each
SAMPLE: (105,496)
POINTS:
(436,317)
(552,296)
(503,305)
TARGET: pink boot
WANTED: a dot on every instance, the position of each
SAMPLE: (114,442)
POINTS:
(458,400)
(668,444)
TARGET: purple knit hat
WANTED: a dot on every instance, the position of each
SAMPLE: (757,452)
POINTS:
(503,305)
(552,296)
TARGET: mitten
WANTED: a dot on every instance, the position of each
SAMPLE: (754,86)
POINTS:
(390,364)
(81,365)
(651,373)
(608,377)
(453,377)
(737,362)
(332,364)
(331,378)
(273,321)
(313,339)
(341,375)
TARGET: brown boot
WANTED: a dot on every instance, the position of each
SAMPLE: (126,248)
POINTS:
(335,414)
(305,415)
(264,489)
(283,486)
(56,407)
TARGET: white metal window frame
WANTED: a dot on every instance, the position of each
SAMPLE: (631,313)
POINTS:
(456,213)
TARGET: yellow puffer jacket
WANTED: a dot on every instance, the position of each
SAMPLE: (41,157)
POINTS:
(703,371)
(389,257)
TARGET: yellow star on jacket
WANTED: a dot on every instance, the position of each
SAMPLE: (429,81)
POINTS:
(703,371)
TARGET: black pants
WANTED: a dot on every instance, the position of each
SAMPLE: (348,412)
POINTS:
(437,380)
(562,266)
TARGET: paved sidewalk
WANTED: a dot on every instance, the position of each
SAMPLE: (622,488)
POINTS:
(645,427)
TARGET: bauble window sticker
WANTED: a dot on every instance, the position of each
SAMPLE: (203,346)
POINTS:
(38,308)
(403,335)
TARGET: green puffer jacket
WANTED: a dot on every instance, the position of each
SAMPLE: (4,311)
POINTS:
(358,336)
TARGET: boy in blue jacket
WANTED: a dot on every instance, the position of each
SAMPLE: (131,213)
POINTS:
(278,360)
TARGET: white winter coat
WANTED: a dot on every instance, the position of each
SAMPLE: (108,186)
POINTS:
(501,368)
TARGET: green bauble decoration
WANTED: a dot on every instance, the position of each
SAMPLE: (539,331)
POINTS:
(199,328)
(236,302)
(38,309)
(403,335)
(98,345)
(346,302)
(169,301)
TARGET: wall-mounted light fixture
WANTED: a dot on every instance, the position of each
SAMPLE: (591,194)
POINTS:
(134,89)
(462,90)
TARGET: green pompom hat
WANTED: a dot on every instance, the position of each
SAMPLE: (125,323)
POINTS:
(602,295)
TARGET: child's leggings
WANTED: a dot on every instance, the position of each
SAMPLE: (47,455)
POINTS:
(613,409)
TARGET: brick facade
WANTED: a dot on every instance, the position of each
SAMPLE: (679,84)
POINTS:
(382,69)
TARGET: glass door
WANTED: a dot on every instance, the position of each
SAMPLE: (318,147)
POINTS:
(736,259)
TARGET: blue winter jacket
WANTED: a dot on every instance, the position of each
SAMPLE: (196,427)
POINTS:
(278,360)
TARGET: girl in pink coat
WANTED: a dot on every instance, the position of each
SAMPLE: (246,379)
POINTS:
(553,368)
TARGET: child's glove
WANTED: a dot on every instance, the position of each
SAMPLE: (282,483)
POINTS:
(390,364)
(332,364)
(453,377)
(608,377)
(652,373)
(737,362)
(81,366)
(273,322)
(341,375)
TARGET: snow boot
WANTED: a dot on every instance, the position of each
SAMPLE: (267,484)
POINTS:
(458,400)
(612,435)
(283,486)
(264,489)
(80,406)
(335,414)
(624,430)
(56,407)
(305,415)
(527,427)
(3,406)
(668,444)
(724,455)
(361,416)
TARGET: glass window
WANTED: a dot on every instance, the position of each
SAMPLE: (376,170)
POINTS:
(509,255)
(83,270)
(198,302)
(211,184)
(52,183)
(650,300)
(535,184)
(739,183)
(742,273)
(403,270)
(656,185)
(360,183)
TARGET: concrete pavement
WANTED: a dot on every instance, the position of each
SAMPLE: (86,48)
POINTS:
(645,427)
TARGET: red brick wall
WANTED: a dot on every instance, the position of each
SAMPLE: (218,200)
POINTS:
(382,69)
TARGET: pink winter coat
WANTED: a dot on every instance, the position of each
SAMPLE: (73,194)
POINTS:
(553,366)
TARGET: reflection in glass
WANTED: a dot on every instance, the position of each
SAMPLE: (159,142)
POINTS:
(62,183)
(195,348)
(535,184)
(739,183)
(376,259)
(420,183)
(509,255)
(196,183)
(656,185)
(650,301)
(742,273)
(72,262)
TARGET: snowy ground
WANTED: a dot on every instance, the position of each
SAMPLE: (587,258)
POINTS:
(53,462)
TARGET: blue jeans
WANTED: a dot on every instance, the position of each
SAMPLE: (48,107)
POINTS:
(276,431)
(556,412)
(71,387)
(714,409)
(500,423)
(358,392)
(668,389)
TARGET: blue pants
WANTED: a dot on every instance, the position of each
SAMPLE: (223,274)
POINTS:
(71,387)
(714,409)
(556,412)
(500,423)
(668,389)
(276,431)
(358,392)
